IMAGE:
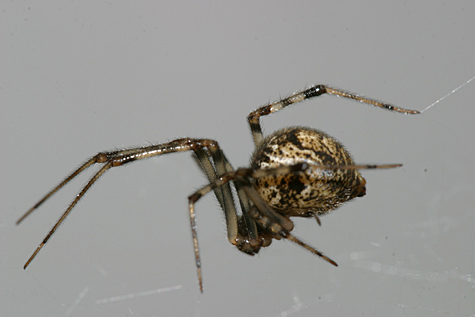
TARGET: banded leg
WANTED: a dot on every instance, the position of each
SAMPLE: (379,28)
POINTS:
(276,224)
(121,157)
(311,92)
(223,193)
(250,234)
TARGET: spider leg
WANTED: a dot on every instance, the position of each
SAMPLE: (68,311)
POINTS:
(250,225)
(54,190)
(260,215)
(217,183)
(223,193)
(301,167)
(203,157)
(192,199)
(311,92)
(317,218)
(103,169)
(273,222)
(124,156)
(279,226)
(292,238)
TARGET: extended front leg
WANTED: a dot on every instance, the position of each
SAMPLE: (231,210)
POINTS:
(311,92)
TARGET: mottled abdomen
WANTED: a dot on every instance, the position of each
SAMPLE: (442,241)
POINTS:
(311,192)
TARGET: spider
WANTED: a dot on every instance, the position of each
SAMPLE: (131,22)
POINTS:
(294,172)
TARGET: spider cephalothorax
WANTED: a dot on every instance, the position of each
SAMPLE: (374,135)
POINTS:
(294,172)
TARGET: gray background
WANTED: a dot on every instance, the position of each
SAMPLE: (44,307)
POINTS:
(84,76)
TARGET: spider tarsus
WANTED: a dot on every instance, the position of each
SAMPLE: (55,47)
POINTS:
(409,111)
(294,239)
(26,264)
(387,166)
(200,279)
(328,260)
(33,255)
(24,216)
(387,106)
(374,166)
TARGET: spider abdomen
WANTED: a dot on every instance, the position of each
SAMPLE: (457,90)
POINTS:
(315,191)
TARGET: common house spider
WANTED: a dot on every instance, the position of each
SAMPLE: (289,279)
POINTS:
(294,172)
